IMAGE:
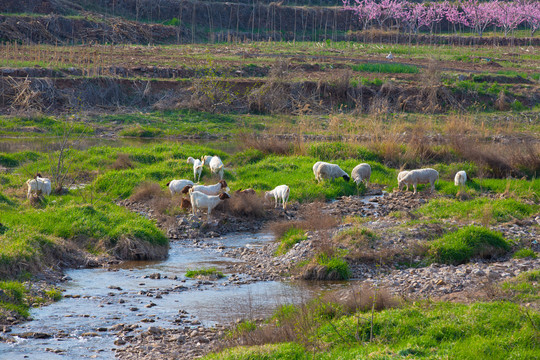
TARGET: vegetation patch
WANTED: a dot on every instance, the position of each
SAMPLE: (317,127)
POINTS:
(289,239)
(425,330)
(460,246)
(483,209)
(386,68)
(335,266)
(210,272)
(523,288)
(524,253)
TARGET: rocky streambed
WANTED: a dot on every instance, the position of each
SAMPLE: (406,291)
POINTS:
(137,308)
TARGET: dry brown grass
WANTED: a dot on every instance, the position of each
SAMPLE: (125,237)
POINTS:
(152,195)
(146,191)
(311,218)
(122,162)
(245,205)
(266,144)
(301,323)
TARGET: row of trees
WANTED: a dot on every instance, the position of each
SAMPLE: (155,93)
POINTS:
(473,14)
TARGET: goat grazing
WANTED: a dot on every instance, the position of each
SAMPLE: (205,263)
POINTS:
(461,178)
(197,168)
(361,172)
(280,193)
(39,184)
(329,171)
(215,189)
(400,176)
(420,176)
(215,163)
(176,186)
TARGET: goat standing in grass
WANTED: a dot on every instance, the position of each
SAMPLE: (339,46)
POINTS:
(39,184)
(280,194)
(197,168)
(215,163)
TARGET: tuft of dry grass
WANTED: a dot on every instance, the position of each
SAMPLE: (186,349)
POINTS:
(146,191)
(311,219)
(246,205)
(122,162)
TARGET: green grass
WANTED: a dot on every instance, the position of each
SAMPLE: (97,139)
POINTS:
(394,68)
(423,330)
(33,238)
(460,246)
(525,253)
(54,294)
(525,287)
(289,239)
(204,272)
(334,264)
(39,126)
(12,298)
(479,209)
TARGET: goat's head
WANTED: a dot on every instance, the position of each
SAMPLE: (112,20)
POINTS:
(190,160)
(168,183)
(346,177)
(224,196)
(186,189)
(223,184)
(38,175)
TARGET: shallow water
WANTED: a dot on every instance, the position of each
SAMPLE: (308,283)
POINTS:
(100,306)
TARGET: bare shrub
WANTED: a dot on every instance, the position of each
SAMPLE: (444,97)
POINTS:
(146,191)
(312,219)
(363,298)
(246,205)
(274,95)
(503,102)
(122,162)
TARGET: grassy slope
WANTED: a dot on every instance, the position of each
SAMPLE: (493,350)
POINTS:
(424,330)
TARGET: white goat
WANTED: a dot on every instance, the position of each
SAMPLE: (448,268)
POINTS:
(461,178)
(280,193)
(203,201)
(420,176)
(176,186)
(329,171)
(197,167)
(361,172)
(400,176)
(215,189)
(316,166)
(39,184)
(215,163)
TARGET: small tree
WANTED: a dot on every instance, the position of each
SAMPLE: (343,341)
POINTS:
(61,161)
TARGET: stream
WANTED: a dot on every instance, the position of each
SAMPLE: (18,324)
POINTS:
(132,293)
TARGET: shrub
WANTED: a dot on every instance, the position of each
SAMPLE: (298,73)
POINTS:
(334,264)
(460,246)
(524,253)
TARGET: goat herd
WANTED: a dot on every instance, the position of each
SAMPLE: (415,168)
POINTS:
(209,196)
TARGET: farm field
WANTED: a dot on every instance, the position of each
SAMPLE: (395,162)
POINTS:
(108,100)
